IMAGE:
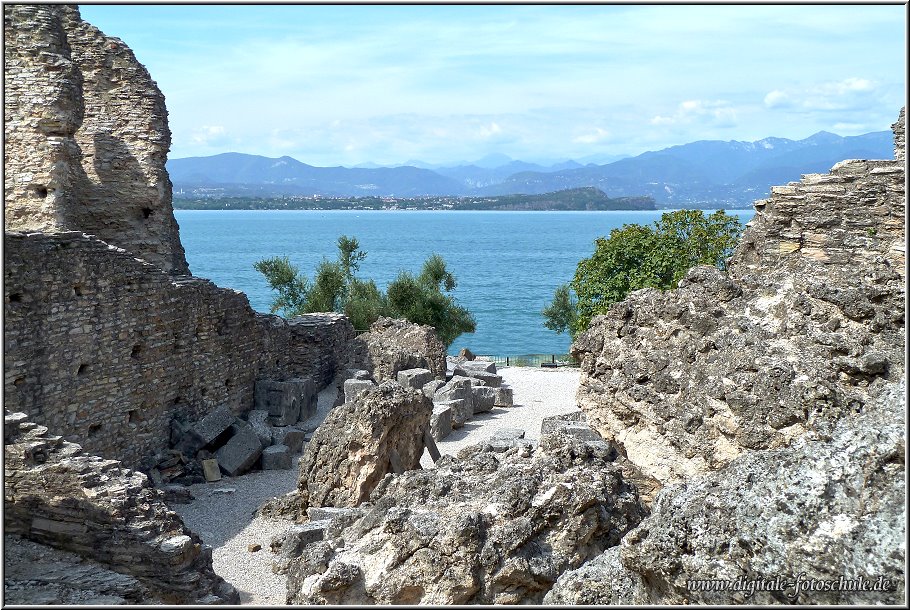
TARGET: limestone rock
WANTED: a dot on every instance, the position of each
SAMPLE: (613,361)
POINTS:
(397,345)
(276,457)
(441,421)
(415,378)
(350,452)
(102,512)
(241,451)
(291,436)
(483,398)
(259,420)
(355,387)
(281,399)
(504,397)
(481,528)
(429,388)
(458,394)
(601,581)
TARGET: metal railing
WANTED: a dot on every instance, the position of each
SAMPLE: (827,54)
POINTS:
(542,360)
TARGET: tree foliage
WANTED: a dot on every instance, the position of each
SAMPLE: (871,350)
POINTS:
(422,299)
(637,256)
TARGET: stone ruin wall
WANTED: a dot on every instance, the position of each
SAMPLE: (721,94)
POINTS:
(86,136)
(106,349)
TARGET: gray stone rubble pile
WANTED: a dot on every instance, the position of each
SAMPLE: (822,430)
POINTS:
(493,525)
(270,435)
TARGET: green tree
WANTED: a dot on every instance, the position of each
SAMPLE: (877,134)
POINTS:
(636,257)
(335,287)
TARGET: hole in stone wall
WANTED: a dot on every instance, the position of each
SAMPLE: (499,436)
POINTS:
(77,290)
(82,370)
(228,383)
(137,349)
(18,381)
(15,297)
(146,212)
(132,416)
(94,429)
(40,191)
(204,391)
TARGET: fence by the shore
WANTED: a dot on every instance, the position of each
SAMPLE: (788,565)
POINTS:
(541,360)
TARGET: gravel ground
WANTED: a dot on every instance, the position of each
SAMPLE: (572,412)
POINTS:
(222,513)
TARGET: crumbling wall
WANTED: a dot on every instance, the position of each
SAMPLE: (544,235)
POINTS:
(57,496)
(86,136)
(107,349)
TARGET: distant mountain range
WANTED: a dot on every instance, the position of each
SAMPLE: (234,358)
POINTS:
(708,173)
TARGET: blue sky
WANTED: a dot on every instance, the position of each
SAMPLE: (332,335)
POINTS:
(348,84)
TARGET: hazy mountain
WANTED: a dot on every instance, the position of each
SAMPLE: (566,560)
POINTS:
(707,173)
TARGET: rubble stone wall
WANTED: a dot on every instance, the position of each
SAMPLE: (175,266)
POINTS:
(106,349)
(86,136)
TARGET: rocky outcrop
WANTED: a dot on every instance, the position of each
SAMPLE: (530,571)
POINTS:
(807,327)
(100,125)
(393,345)
(490,526)
(99,510)
(828,509)
(359,442)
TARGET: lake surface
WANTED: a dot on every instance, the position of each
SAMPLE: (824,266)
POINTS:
(507,264)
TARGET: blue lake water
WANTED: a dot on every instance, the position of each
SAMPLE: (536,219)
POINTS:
(507,263)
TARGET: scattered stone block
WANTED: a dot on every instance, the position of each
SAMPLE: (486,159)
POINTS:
(441,421)
(290,544)
(289,435)
(254,547)
(460,412)
(553,422)
(240,452)
(480,365)
(355,387)
(504,397)
(276,457)
(483,399)
(210,470)
(581,431)
(414,378)
(213,425)
(479,373)
(308,396)
(280,398)
(429,388)
(431,445)
(504,433)
(259,420)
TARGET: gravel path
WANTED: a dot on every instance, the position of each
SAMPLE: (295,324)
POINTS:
(222,513)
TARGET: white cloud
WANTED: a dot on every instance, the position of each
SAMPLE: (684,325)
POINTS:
(717,113)
(846,94)
(208,134)
(777,99)
(598,135)
(488,131)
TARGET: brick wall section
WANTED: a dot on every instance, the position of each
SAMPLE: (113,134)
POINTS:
(86,136)
(105,348)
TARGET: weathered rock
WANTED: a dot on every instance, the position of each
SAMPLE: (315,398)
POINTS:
(415,378)
(282,400)
(441,421)
(479,369)
(483,398)
(601,581)
(308,396)
(486,366)
(289,435)
(291,543)
(241,451)
(458,394)
(466,354)
(806,327)
(504,433)
(211,471)
(481,528)
(259,420)
(213,425)
(350,452)
(102,512)
(397,345)
(276,457)
(353,388)
(429,388)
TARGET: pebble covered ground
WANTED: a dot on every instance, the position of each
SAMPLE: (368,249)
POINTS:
(223,512)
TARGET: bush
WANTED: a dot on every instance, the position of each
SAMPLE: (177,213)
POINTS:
(419,299)
(638,256)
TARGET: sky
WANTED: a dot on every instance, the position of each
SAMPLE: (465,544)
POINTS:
(352,84)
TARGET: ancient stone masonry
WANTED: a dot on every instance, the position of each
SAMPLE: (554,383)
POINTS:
(102,137)
(109,349)
(807,328)
(55,495)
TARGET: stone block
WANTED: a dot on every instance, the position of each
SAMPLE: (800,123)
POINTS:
(483,399)
(480,373)
(441,421)
(504,397)
(240,452)
(581,431)
(504,433)
(289,435)
(414,378)
(210,470)
(259,420)
(276,457)
(328,513)
(480,365)
(553,422)
(280,398)
(308,396)
(355,387)
(213,425)
(460,411)
(361,374)
(429,388)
